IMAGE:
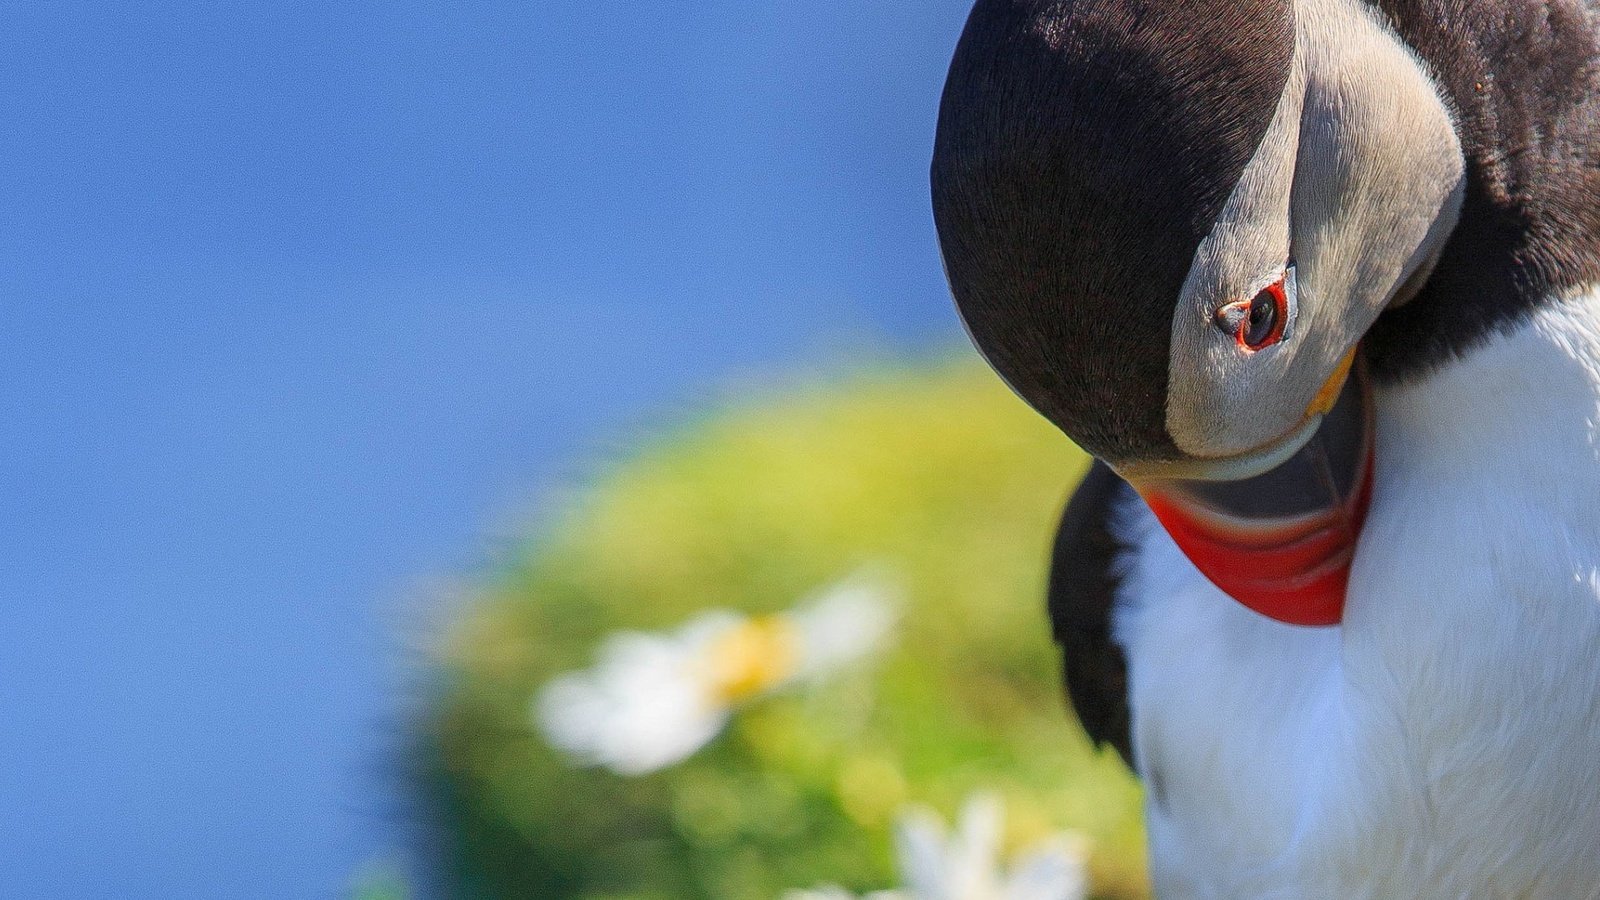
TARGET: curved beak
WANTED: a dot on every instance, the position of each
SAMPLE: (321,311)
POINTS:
(1282,542)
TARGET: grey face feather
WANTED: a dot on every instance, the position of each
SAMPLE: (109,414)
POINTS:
(1359,180)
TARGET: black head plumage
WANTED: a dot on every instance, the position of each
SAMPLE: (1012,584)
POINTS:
(1084,148)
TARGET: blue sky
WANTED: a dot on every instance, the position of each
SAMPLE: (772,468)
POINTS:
(303,306)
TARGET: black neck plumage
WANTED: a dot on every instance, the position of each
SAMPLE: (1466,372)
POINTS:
(1523,79)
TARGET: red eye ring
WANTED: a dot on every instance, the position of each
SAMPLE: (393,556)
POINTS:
(1259,322)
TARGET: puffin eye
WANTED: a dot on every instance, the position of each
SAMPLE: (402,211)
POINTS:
(1267,312)
(1258,323)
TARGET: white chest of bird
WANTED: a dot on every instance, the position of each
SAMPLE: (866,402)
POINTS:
(1444,740)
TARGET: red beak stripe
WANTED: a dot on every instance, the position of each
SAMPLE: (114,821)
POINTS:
(1295,571)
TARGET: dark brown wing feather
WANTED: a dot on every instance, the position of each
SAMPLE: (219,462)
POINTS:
(1082,591)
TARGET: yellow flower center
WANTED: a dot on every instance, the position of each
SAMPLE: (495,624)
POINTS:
(752,657)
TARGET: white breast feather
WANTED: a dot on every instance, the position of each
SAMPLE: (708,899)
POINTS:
(1445,740)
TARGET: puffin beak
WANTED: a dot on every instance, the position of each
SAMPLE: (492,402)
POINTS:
(1281,542)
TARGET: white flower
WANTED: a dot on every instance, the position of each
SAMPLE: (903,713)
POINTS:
(652,700)
(640,707)
(965,865)
(845,623)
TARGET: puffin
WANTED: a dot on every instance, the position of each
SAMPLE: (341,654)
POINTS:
(1316,283)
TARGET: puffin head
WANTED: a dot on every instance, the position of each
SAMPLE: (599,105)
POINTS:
(1167,225)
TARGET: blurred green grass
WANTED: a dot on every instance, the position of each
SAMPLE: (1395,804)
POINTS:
(934,473)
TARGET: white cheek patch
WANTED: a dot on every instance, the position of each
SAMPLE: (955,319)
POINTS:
(1247,249)
(1358,179)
